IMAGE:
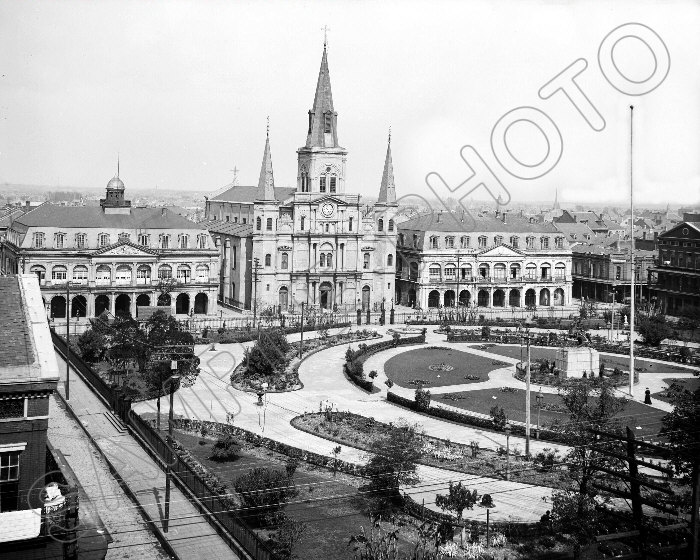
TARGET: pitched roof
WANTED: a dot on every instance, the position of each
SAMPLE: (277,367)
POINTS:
(246,194)
(52,215)
(228,228)
(387,190)
(451,222)
(15,342)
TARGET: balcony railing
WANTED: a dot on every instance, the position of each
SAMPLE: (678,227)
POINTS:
(123,282)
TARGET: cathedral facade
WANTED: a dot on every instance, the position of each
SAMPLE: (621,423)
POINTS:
(315,244)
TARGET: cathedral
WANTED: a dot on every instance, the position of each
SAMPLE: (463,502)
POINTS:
(315,244)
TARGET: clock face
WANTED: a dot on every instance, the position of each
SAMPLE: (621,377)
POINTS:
(327,209)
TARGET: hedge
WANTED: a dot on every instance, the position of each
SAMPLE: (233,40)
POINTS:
(469,419)
(231,336)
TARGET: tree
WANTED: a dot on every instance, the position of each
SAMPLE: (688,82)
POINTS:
(265,492)
(289,534)
(91,345)
(226,448)
(394,456)
(126,343)
(591,403)
(498,417)
(269,354)
(456,500)
(422,399)
(653,329)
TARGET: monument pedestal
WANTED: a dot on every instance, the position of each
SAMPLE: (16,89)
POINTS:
(572,362)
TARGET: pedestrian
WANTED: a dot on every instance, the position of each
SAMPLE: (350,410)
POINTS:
(647,396)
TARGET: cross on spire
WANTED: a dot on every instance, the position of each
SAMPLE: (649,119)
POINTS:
(235,174)
(325,29)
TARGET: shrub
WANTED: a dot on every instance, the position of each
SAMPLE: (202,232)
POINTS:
(264,491)
(498,417)
(422,399)
(487,500)
(225,449)
(485,331)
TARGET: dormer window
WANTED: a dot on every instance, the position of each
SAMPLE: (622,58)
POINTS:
(165,242)
(202,241)
(559,242)
(184,241)
(103,240)
(449,242)
(514,241)
(482,242)
(464,242)
(498,239)
(123,236)
(144,239)
(544,242)
(530,242)
(80,240)
(433,242)
(59,240)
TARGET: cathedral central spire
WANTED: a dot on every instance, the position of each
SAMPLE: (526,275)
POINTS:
(322,131)
(266,182)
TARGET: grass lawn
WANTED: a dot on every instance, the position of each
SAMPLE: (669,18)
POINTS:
(331,507)
(634,414)
(413,366)
(610,360)
(691,384)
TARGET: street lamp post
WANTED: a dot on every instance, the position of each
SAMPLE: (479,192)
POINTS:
(506,429)
(256,264)
(67,339)
(301,340)
(540,398)
(168,467)
(527,395)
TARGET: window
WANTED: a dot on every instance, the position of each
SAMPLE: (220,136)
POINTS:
(514,270)
(434,271)
(285,261)
(103,274)
(499,271)
(433,242)
(164,241)
(245,220)
(40,271)
(305,182)
(202,241)
(450,242)
(269,224)
(400,240)
(322,183)
(350,224)
(123,275)
(302,224)
(322,260)
(9,481)
(103,240)
(59,240)
(329,260)
(59,273)
(228,218)
(80,240)
(268,259)
(11,408)
(184,273)
(467,271)
(38,240)
(531,271)
(498,239)
(415,240)
(559,242)
(80,273)
(390,260)
(464,242)
(143,274)
(235,219)
(391,225)
(184,241)
(514,241)
(202,273)
(144,240)
(165,272)
(484,271)
(258,223)
(482,242)
(333,181)
(544,242)
(559,271)
(380,225)
(530,242)
(450,272)
(618,272)
(365,264)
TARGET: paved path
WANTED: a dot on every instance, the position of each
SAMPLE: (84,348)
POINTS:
(190,535)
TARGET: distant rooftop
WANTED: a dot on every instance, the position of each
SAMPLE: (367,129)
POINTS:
(228,228)
(247,194)
(454,222)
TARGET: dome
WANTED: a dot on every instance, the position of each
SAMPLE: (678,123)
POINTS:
(115,183)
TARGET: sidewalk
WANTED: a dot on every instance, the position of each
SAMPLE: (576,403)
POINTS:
(190,536)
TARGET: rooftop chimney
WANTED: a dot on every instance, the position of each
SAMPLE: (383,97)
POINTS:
(504,217)
(438,216)
(162,211)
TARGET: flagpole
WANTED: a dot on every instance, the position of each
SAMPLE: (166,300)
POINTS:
(632,267)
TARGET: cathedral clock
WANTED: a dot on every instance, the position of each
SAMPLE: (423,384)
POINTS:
(327,209)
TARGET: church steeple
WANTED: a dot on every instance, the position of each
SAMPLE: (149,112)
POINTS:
(323,119)
(556,199)
(266,182)
(387,190)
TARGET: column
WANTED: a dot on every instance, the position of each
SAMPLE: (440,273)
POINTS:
(112,298)
(90,305)
(132,306)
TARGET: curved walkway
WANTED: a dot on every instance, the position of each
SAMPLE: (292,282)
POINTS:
(213,398)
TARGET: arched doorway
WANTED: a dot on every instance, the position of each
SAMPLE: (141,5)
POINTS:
(449,298)
(164,300)
(284,298)
(78,307)
(326,290)
(201,302)
(482,298)
(58,307)
(499,298)
(122,305)
(143,300)
(182,304)
(365,298)
(101,305)
(558,296)
(544,297)
(412,297)
(514,298)
(434,299)
(530,298)
(465,297)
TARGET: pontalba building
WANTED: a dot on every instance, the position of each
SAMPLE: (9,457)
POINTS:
(316,243)
(116,257)
(495,261)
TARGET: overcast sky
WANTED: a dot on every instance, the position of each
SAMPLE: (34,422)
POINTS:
(182,91)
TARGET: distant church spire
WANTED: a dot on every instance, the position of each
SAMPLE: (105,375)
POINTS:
(387,190)
(322,131)
(556,199)
(266,182)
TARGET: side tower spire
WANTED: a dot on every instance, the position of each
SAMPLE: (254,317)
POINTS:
(266,182)
(387,190)
(323,119)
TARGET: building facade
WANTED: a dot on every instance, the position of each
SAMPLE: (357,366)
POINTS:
(316,243)
(116,258)
(498,261)
(675,280)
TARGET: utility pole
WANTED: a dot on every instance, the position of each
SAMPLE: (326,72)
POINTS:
(67,339)
(631,387)
(256,264)
(168,467)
